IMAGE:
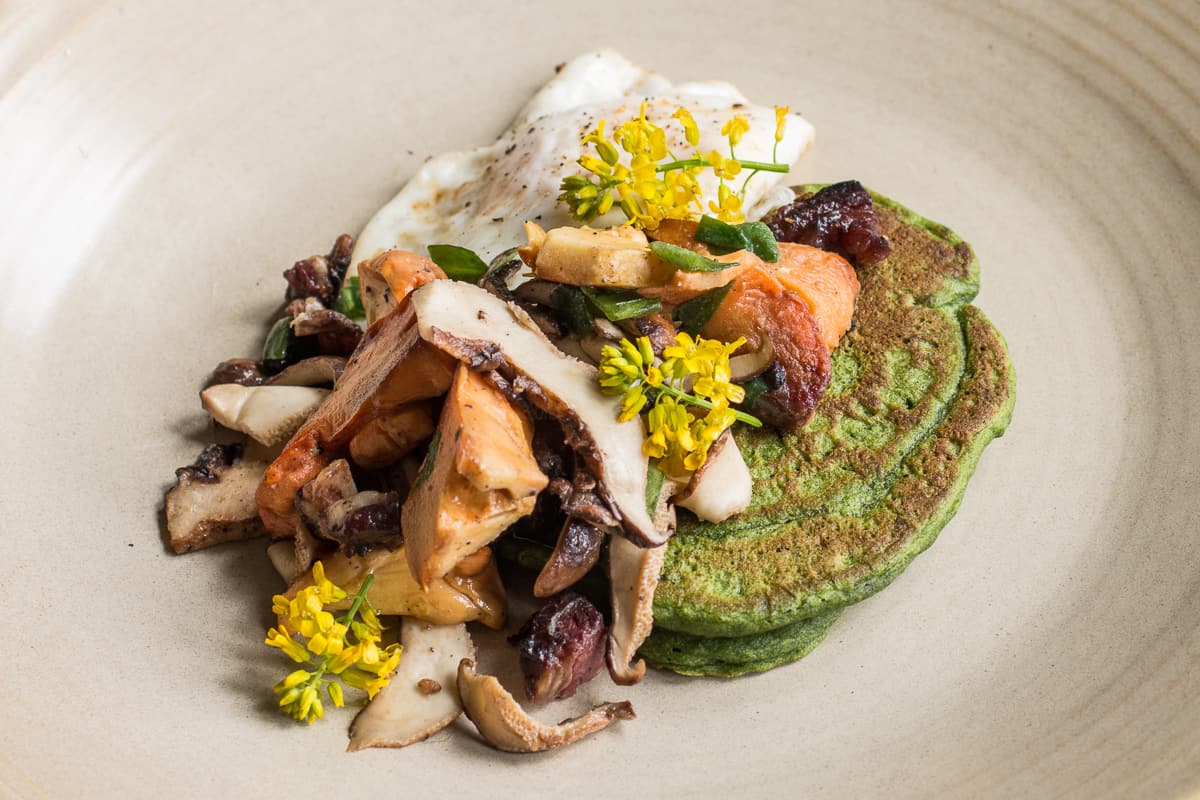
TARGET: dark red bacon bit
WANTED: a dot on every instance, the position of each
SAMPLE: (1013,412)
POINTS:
(839,218)
(561,647)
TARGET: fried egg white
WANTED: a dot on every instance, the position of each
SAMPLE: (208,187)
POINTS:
(480,199)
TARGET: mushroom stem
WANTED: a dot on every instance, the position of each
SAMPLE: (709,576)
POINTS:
(505,725)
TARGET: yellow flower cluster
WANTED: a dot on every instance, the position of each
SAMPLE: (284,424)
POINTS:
(349,649)
(645,196)
(647,190)
(694,373)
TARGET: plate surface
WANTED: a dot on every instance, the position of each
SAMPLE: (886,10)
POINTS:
(162,163)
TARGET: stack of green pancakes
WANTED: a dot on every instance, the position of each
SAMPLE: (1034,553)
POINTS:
(920,385)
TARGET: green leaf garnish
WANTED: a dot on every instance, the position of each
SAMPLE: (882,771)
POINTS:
(573,308)
(458,263)
(755,388)
(430,456)
(654,484)
(722,237)
(694,314)
(278,340)
(349,300)
(687,260)
(619,304)
(762,241)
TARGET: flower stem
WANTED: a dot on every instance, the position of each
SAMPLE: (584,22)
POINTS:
(359,597)
(700,401)
(761,166)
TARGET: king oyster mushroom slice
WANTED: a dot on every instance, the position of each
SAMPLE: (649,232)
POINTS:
(722,486)
(420,700)
(484,332)
(633,575)
(504,724)
(268,414)
(213,500)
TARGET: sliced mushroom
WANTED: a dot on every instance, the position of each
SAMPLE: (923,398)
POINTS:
(282,555)
(505,273)
(315,371)
(391,367)
(505,725)
(722,486)
(633,572)
(268,414)
(658,328)
(385,280)
(488,334)
(391,436)
(536,235)
(615,257)
(334,333)
(479,478)
(577,551)
(476,597)
(408,710)
(213,500)
(332,507)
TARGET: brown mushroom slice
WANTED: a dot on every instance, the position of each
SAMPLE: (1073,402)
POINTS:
(722,486)
(213,500)
(479,478)
(282,555)
(392,366)
(391,436)
(576,552)
(505,725)
(420,700)
(267,414)
(486,333)
(475,597)
(385,280)
(314,371)
(633,572)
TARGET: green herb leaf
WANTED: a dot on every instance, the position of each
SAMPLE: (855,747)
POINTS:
(755,388)
(761,240)
(430,456)
(721,237)
(694,314)
(687,260)
(654,484)
(278,340)
(458,263)
(348,300)
(573,308)
(621,304)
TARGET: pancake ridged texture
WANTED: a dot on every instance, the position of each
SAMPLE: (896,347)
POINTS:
(920,386)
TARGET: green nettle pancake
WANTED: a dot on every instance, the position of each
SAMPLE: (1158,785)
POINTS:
(920,386)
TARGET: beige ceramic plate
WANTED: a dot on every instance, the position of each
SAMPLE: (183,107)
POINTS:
(161,163)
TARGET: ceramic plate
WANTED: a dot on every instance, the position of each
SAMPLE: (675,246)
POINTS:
(162,163)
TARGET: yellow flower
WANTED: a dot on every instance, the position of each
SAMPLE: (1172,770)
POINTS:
(725,168)
(734,129)
(281,639)
(728,207)
(690,131)
(367,665)
(781,113)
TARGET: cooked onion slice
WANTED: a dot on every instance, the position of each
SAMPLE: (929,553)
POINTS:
(504,724)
